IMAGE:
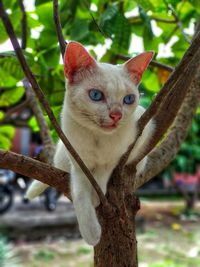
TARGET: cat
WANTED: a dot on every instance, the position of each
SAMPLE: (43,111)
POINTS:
(99,117)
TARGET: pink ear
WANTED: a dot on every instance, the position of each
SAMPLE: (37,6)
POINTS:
(137,65)
(76,58)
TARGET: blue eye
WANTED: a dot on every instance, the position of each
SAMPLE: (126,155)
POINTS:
(96,95)
(129,99)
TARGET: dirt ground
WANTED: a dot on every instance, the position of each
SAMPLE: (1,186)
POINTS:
(163,241)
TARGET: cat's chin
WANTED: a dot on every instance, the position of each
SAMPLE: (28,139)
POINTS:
(108,128)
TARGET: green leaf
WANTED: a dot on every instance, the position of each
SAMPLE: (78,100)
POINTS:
(6,135)
(15,18)
(186,11)
(180,47)
(33,124)
(5,142)
(6,80)
(108,15)
(79,30)
(195,4)
(145,4)
(150,81)
(2,115)
(122,34)
(31,21)
(11,65)
(45,14)
(40,2)
(7,130)
(10,96)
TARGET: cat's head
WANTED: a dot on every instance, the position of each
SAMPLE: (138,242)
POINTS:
(102,96)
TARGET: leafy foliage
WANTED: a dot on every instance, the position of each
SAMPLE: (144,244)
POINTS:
(99,23)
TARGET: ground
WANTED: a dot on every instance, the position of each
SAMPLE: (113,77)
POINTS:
(163,241)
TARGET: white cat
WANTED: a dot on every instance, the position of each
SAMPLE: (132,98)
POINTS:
(99,117)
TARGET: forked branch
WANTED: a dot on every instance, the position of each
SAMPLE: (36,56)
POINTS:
(167,103)
(169,147)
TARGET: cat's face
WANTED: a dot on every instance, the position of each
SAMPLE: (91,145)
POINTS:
(101,96)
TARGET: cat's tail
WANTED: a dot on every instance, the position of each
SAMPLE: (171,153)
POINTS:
(35,189)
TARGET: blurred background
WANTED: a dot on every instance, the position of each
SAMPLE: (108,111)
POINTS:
(44,232)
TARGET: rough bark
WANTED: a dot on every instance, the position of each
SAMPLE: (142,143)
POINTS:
(118,244)
(35,169)
(48,145)
(170,145)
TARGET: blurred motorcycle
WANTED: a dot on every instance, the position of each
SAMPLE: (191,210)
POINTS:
(6,191)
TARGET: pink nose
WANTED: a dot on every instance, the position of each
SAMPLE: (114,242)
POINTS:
(115,116)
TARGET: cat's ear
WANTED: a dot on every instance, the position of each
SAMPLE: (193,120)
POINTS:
(137,65)
(76,59)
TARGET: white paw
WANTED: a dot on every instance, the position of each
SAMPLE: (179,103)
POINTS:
(91,233)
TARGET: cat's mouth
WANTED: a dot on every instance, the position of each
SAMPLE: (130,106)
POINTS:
(110,126)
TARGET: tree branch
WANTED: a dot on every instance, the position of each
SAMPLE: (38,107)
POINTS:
(137,19)
(41,97)
(23,24)
(17,107)
(167,103)
(178,22)
(48,145)
(35,169)
(170,107)
(167,150)
(58,26)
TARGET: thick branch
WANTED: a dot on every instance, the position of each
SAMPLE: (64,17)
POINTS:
(41,97)
(48,146)
(169,98)
(166,151)
(58,27)
(170,107)
(37,170)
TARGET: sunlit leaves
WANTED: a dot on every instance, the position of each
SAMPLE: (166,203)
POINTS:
(151,82)
(2,115)
(6,134)
(79,29)
(10,96)
(113,22)
(116,26)
(11,65)
(122,34)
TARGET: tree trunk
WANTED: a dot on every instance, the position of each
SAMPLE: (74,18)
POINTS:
(118,244)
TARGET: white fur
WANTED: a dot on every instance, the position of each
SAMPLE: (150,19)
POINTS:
(99,148)
(35,189)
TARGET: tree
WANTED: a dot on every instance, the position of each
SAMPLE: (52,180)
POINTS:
(172,108)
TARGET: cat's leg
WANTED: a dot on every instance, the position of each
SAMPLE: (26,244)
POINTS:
(61,161)
(102,175)
(85,211)
(35,189)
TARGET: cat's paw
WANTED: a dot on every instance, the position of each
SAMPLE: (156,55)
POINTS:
(91,233)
